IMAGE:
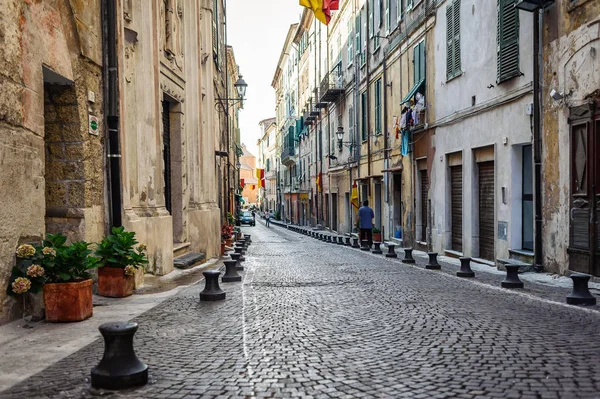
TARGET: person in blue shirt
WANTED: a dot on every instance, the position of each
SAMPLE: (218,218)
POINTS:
(365,222)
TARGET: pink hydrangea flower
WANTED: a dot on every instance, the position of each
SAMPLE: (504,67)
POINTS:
(129,270)
(21,285)
(25,251)
(35,271)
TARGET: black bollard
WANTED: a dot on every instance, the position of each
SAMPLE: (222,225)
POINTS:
(240,250)
(212,291)
(408,258)
(465,268)
(248,238)
(433,263)
(119,367)
(377,248)
(237,258)
(581,294)
(364,245)
(340,240)
(512,277)
(391,251)
(355,242)
(230,272)
(328,238)
(347,242)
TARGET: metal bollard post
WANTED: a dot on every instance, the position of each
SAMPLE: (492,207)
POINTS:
(237,258)
(355,242)
(347,241)
(512,277)
(230,272)
(465,268)
(248,238)
(408,258)
(433,263)
(340,240)
(377,248)
(391,251)
(212,291)
(119,367)
(581,293)
(364,245)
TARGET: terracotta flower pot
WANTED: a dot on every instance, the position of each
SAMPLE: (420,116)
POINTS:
(68,301)
(228,242)
(377,237)
(112,282)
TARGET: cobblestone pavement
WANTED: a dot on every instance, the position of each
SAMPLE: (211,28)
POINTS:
(317,320)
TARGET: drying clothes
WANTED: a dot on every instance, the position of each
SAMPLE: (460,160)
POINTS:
(405,145)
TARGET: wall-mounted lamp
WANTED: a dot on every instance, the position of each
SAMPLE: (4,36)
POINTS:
(240,86)
(341,143)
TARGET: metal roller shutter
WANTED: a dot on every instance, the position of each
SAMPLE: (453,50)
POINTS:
(456,187)
(486,210)
(424,191)
(166,119)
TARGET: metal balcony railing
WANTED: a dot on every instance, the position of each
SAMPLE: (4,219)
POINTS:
(332,86)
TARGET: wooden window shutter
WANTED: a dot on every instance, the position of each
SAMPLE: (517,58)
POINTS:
(508,40)
(215,31)
(449,43)
(416,63)
(456,26)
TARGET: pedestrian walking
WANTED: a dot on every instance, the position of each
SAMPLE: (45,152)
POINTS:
(365,222)
(268,219)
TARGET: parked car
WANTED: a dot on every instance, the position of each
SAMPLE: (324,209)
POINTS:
(247,218)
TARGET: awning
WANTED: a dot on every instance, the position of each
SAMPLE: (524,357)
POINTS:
(395,169)
(413,91)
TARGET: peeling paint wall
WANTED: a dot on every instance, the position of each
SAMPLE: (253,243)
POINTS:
(571,51)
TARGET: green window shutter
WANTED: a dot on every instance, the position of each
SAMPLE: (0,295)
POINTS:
(508,40)
(419,61)
(422,59)
(350,41)
(409,3)
(449,43)
(399,10)
(378,106)
(456,11)
(371,18)
(388,16)
(363,110)
(357,27)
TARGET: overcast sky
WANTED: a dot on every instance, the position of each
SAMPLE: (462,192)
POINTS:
(257,30)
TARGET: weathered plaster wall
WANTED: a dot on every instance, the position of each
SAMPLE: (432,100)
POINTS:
(572,66)
(64,37)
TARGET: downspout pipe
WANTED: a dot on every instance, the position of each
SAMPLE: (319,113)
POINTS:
(537,145)
(112,113)
(368,88)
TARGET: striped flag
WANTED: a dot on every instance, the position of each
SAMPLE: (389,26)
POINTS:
(321,8)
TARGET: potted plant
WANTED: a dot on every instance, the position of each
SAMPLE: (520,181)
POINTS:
(226,236)
(119,259)
(62,272)
(376,234)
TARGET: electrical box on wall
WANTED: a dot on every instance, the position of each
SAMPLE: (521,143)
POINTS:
(529,109)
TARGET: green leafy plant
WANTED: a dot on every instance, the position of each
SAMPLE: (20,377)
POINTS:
(376,230)
(118,249)
(277,216)
(230,218)
(51,262)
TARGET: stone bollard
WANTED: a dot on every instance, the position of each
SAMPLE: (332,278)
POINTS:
(408,258)
(212,291)
(347,241)
(230,272)
(391,251)
(364,245)
(377,248)
(248,238)
(119,367)
(512,277)
(237,258)
(355,242)
(465,268)
(581,294)
(433,263)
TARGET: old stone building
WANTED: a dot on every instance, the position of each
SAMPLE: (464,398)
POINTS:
(571,137)
(51,147)
(115,126)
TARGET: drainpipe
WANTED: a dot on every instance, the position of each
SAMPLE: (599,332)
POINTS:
(227,182)
(537,144)
(112,112)
(368,94)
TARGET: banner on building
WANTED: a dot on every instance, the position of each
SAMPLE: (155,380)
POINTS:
(354,197)
(242,183)
(319,182)
(260,174)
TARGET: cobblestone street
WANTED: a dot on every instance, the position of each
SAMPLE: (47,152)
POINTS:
(317,320)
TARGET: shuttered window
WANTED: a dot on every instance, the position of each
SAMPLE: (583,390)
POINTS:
(388,16)
(371,18)
(363,110)
(508,40)
(215,32)
(399,10)
(453,40)
(419,61)
(350,42)
(378,106)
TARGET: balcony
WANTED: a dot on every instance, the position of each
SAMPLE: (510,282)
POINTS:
(288,155)
(332,87)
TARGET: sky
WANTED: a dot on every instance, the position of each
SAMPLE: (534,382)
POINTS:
(257,31)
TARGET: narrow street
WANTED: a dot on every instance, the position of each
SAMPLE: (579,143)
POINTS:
(317,320)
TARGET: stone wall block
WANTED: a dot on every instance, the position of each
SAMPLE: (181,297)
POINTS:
(76,194)
(56,194)
(73,171)
(73,152)
(10,94)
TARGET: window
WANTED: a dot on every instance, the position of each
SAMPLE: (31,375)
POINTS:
(363,109)
(215,32)
(508,40)
(363,33)
(350,42)
(388,17)
(419,61)
(351,124)
(527,204)
(409,4)
(399,10)
(371,19)
(268,166)
(378,106)
(453,40)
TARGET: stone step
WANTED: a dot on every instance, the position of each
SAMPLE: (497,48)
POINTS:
(525,267)
(180,248)
(188,260)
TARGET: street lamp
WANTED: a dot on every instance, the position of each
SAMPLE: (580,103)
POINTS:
(340,136)
(240,86)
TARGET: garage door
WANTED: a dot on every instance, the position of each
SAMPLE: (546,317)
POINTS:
(456,187)
(486,210)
